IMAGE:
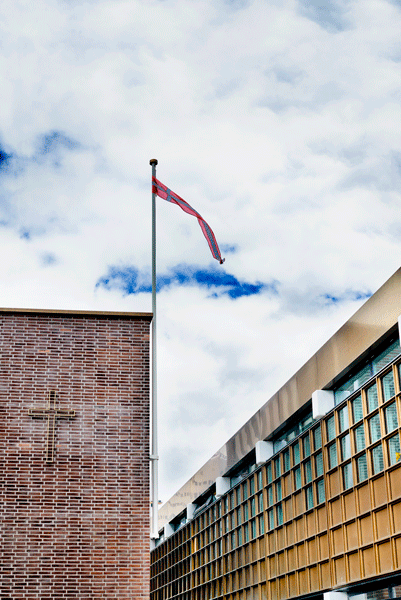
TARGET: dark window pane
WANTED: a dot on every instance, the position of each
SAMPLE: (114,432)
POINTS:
(332,456)
(372,398)
(306,446)
(309,497)
(319,464)
(394,452)
(297,477)
(330,429)
(345,447)
(347,476)
(286,460)
(362,467)
(388,386)
(317,438)
(343,419)
(320,491)
(308,471)
(295,453)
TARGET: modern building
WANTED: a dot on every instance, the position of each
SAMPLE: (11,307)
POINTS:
(74,455)
(305,499)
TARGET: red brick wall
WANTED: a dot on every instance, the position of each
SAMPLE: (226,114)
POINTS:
(76,528)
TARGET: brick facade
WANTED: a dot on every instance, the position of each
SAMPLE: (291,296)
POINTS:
(74,525)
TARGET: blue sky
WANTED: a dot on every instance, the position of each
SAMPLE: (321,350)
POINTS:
(280,122)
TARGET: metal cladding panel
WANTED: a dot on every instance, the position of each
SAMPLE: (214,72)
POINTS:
(362,331)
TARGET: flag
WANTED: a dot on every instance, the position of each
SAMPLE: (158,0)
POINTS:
(161,190)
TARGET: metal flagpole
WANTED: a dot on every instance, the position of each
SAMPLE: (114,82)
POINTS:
(154,456)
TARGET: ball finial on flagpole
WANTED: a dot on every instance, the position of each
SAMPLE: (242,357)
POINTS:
(153,161)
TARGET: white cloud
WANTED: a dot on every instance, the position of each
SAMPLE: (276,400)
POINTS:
(281,127)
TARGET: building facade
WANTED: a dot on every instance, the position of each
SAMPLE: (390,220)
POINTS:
(74,500)
(305,500)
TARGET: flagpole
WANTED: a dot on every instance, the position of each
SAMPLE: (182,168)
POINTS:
(154,451)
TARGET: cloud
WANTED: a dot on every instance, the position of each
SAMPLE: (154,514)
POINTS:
(329,14)
(130,281)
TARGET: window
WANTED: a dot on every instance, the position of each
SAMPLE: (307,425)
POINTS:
(390,415)
(308,471)
(245,491)
(286,460)
(343,419)
(260,480)
(295,453)
(269,495)
(330,429)
(306,446)
(359,436)
(388,386)
(362,467)
(347,476)
(386,357)
(277,467)
(394,452)
(253,528)
(239,536)
(297,478)
(239,520)
(253,507)
(374,429)
(261,525)
(246,533)
(270,519)
(377,459)
(260,498)
(238,495)
(246,516)
(269,473)
(357,410)
(332,450)
(320,491)
(345,447)
(279,515)
(319,464)
(309,497)
(278,491)
(252,485)
(372,398)
(317,438)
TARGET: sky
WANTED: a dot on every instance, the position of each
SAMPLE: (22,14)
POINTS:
(279,121)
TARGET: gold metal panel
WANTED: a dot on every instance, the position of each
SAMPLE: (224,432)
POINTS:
(369,562)
(363,330)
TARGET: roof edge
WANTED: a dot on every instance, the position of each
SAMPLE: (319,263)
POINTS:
(148,316)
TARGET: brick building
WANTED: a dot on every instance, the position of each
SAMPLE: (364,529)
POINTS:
(304,501)
(74,486)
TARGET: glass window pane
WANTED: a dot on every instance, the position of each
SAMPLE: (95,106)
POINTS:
(239,516)
(330,429)
(386,357)
(309,497)
(371,395)
(252,485)
(308,471)
(357,411)
(295,453)
(278,492)
(359,434)
(319,464)
(270,496)
(374,429)
(246,533)
(297,477)
(388,386)
(347,476)
(377,459)
(345,447)
(261,525)
(240,536)
(269,473)
(362,467)
(279,514)
(245,491)
(253,528)
(270,518)
(253,507)
(390,414)
(332,456)
(394,452)
(260,480)
(277,467)
(260,502)
(306,446)
(286,460)
(320,491)
(317,438)
(352,384)
(238,495)
(343,419)
(246,515)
